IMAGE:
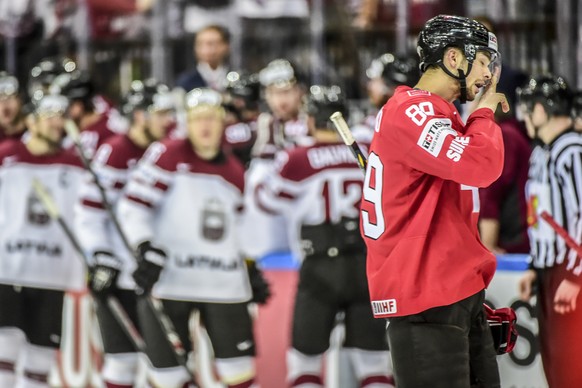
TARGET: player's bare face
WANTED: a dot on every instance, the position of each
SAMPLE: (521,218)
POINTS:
(50,127)
(284,102)
(9,108)
(205,130)
(210,48)
(160,123)
(479,76)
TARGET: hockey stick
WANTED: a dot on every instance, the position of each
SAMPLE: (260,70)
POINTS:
(73,132)
(155,306)
(118,312)
(342,127)
(562,232)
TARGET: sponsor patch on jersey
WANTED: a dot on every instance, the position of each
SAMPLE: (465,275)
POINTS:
(434,134)
(383,307)
(417,92)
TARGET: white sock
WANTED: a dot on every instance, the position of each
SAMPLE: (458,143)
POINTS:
(174,377)
(11,344)
(373,368)
(37,363)
(236,371)
(120,368)
(304,370)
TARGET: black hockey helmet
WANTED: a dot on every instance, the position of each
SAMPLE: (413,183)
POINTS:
(8,84)
(43,74)
(149,95)
(76,85)
(444,31)
(549,90)
(395,70)
(245,87)
(323,101)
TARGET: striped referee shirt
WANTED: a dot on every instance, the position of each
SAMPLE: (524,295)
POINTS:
(555,185)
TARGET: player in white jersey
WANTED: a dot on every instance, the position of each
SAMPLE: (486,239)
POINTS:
(37,261)
(181,210)
(149,106)
(553,193)
(319,188)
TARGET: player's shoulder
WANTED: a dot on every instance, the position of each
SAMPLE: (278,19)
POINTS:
(234,172)
(69,157)
(566,144)
(10,150)
(115,151)
(167,153)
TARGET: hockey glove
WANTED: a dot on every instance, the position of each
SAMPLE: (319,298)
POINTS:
(261,289)
(502,324)
(104,273)
(151,261)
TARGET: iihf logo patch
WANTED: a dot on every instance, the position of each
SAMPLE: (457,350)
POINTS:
(384,307)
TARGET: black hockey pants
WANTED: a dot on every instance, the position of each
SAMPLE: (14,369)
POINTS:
(444,347)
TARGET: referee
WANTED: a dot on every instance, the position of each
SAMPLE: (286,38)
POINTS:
(554,188)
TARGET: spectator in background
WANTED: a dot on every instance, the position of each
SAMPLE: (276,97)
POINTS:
(211,50)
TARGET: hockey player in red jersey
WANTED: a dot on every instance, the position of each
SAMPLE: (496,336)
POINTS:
(427,269)
(37,261)
(318,187)
(12,124)
(181,210)
(149,106)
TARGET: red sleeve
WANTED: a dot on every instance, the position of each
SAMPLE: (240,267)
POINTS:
(434,142)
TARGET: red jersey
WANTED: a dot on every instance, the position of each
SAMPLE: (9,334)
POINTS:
(420,203)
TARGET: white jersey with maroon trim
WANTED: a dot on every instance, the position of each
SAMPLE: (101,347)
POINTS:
(313,185)
(34,250)
(112,163)
(190,208)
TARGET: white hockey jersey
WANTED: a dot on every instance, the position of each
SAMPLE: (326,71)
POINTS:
(112,163)
(190,208)
(34,250)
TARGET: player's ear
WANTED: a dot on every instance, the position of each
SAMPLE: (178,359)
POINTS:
(452,58)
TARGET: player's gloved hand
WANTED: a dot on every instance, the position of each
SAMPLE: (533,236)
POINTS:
(151,261)
(104,273)
(259,285)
